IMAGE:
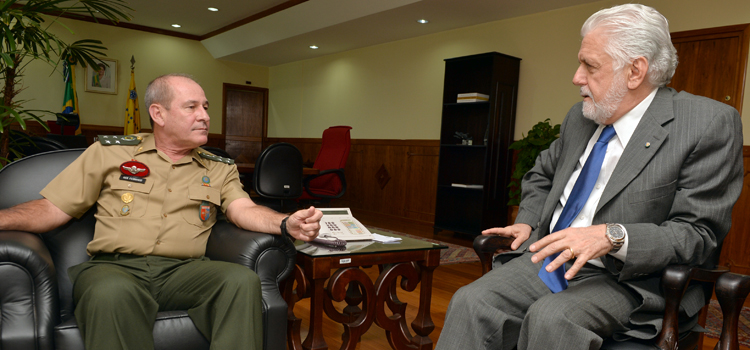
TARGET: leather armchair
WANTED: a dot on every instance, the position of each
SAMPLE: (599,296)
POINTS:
(731,290)
(36,294)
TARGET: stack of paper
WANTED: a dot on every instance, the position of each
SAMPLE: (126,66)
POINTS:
(385,239)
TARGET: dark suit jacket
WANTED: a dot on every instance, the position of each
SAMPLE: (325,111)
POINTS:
(673,189)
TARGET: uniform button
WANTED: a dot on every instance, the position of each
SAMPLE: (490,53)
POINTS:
(165,215)
(208,197)
(174,167)
(170,190)
(140,149)
(158,242)
(130,185)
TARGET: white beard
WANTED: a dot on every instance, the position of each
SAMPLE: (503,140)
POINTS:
(600,112)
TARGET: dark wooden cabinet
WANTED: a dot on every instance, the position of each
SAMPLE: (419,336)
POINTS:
(472,179)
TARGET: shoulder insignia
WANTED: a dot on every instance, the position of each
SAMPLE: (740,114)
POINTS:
(127,140)
(210,156)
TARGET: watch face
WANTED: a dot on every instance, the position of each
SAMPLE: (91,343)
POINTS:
(616,232)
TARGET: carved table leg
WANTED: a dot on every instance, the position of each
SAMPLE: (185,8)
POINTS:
(292,296)
(423,324)
(354,326)
(315,339)
(395,326)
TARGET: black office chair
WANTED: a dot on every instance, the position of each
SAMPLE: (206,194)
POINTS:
(278,177)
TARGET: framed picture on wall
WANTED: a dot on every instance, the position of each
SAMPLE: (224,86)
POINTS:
(102,78)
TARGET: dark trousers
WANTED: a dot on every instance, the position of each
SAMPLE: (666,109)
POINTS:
(117,297)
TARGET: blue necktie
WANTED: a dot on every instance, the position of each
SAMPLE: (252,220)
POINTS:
(555,280)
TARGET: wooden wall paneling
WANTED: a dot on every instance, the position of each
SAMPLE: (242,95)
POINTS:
(736,246)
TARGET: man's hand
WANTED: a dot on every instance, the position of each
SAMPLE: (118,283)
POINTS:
(581,243)
(520,232)
(304,224)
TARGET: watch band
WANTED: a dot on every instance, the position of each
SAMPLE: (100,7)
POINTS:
(284,232)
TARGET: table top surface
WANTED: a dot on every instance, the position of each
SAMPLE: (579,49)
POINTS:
(367,247)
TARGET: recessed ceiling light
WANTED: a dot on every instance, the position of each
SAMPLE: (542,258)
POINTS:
(423,21)
(314,47)
(176,25)
(213,9)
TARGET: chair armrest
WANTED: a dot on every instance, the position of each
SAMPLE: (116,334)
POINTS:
(674,282)
(731,291)
(338,172)
(28,292)
(270,256)
(487,246)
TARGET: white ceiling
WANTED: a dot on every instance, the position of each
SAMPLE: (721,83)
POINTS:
(333,25)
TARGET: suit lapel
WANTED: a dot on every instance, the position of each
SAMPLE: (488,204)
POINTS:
(648,137)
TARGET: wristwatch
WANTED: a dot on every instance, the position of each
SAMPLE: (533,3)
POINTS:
(616,234)
(284,232)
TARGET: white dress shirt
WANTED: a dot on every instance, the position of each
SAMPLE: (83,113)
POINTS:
(624,127)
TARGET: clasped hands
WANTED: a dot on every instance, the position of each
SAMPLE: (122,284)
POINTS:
(304,224)
(580,243)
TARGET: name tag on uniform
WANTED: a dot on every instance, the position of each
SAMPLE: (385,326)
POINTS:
(137,179)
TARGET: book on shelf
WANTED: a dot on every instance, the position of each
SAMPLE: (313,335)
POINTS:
(472,97)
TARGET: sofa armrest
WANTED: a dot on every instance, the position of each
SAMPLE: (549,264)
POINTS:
(28,292)
(272,257)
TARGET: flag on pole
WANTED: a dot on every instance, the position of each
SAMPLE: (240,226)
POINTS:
(70,98)
(132,115)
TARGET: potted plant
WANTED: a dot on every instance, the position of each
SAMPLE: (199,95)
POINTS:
(537,140)
(25,36)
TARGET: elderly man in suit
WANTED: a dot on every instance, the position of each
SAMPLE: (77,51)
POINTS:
(641,177)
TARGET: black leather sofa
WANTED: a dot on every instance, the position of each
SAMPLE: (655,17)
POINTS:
(36,306)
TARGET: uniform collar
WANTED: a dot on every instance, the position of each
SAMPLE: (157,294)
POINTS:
(202,161)
(149,144)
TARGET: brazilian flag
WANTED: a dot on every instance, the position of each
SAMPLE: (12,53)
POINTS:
(70,99)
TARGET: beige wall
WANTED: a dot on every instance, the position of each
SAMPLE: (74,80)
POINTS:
(394,90)
(155,55)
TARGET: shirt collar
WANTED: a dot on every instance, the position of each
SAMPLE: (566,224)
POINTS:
(149,144)
(625,126)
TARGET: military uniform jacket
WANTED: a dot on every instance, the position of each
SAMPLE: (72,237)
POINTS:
(146,204)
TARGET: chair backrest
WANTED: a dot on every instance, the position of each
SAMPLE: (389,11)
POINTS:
(30,145)
(278,172)
(21,181)
(334,151)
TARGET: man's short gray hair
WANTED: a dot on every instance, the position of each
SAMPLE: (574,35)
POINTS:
(159,91)
(633,31)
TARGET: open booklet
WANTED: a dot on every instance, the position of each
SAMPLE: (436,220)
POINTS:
(339,223)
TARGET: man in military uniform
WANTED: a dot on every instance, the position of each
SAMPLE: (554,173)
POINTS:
(157,197)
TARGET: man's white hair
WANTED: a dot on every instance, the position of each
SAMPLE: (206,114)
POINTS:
(633,31)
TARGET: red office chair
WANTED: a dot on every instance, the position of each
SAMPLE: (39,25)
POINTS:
(330,182)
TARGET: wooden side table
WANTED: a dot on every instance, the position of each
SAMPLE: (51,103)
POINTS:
(412,259)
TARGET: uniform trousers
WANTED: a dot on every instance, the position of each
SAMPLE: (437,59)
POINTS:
(511,307)
(117,297)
